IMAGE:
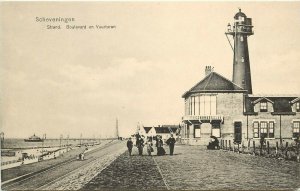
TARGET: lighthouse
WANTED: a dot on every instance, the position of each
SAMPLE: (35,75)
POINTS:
(240,30)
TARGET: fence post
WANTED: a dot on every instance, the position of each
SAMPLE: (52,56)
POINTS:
(243,147)
(276,151)
(286,148)
(248,146)
(226,144)
(222,144)
(268,147)
(229,145)
(238,148)
(298,153)
(254,147)
(260,149)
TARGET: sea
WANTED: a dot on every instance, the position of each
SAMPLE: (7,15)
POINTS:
(11,143)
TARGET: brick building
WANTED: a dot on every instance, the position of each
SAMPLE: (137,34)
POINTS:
(228,110)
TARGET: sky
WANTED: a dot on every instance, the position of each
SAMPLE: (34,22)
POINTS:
(68,82)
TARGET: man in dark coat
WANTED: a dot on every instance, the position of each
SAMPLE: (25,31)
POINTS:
(171,142)
(140,145)
(129,146)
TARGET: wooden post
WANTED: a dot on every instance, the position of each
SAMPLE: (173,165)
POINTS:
(223,146)
(260,149)
(254,147)
(276,151)
(238,148)
(248,148)
(243,147)
(268,147)
(298,153)
(226,144)
(229,145)
(286,148)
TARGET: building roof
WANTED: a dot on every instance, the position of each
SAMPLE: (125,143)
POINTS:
(263,98)
(147,129)
(236,16)
(214,82)
(164,129)
(281,105)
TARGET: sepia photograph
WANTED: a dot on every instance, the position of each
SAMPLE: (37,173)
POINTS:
(148,95)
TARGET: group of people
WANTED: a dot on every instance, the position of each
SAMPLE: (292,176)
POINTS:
(140,143)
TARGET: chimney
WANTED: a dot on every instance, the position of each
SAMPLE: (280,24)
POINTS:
(208,70)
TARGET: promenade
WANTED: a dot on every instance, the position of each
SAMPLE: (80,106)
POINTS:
(195,168)
(190,168)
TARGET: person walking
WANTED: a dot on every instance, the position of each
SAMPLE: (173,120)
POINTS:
(129,146)
(159,144)
(140,145)
(149,146)
(171,142)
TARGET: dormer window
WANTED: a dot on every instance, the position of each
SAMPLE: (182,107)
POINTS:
(298,107)
(263,107)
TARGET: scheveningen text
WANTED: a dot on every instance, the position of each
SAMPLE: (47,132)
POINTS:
(55,19)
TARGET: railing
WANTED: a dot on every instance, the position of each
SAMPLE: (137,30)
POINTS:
(202,117)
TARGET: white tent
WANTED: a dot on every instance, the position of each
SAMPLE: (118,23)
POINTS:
(142,131)
(152,132)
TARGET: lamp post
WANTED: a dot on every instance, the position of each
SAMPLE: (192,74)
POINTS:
(2,139)
(60,138)
(80,138)
(67,143)
(44,135)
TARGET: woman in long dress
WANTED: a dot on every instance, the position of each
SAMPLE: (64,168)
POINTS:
(159,144)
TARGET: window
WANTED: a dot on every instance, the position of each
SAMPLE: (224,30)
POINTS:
(213,105)
(263,128)
(298,107)
(296,129)
(271,129)
(255,129)
(186,107)
(241,19)
(197,105)
(263,107)
(197,132)
(190,99)
(207,105)
(216,129)
(193,105)
(202,105)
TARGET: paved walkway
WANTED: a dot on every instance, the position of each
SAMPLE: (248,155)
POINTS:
(193,167)
(135,172)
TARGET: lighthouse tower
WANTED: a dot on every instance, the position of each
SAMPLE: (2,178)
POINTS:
(241,29)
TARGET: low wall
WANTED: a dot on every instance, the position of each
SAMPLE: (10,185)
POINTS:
(10,164)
